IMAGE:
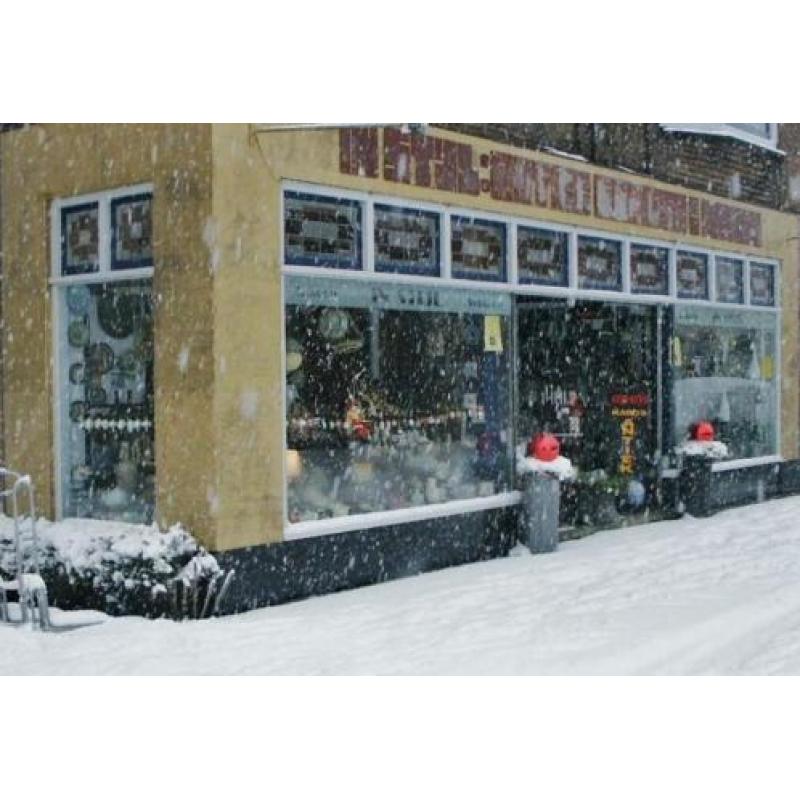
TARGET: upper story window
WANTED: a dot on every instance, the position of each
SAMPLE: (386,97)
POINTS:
(764,134)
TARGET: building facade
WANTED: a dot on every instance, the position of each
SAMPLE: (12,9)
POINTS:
(321,349)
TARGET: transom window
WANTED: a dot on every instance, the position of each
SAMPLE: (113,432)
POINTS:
(346,231)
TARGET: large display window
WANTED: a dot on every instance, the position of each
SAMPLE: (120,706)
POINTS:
(588,375)
(396,396)
(578,365)
(398,393)
(107,438)
(724,368)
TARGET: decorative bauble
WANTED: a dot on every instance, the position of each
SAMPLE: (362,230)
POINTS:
(361,430)
(294,355)
(545,447)
(334,324)
(636,494)
(703,432)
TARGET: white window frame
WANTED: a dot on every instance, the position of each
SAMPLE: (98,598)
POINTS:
(727,129)
(103,275)
(511,286)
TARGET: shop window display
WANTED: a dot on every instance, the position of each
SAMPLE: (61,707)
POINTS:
(107,442)
(397,396)
(724,370)
(588,376)
(576,365)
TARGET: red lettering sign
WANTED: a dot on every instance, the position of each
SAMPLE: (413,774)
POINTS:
(358,152)
(433,162)
(730,223)
(514,179)
(635,400)
(428,160)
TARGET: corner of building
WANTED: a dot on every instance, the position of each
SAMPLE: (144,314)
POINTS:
(248,426)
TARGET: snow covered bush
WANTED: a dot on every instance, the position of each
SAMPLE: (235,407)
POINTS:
(114,567)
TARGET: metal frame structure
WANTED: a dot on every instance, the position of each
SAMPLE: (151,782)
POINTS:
(27,582)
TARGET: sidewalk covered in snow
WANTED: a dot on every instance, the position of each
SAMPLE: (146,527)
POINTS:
(714,596)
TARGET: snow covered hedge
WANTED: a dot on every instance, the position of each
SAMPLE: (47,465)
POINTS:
(114,567)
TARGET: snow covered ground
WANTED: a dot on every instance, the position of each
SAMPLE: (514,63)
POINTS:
(716,596)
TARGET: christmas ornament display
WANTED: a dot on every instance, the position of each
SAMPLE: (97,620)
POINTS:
(545,447)
(703,432)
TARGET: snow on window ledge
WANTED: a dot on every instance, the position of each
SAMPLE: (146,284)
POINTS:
(744,463)
(730,130)
(377,519)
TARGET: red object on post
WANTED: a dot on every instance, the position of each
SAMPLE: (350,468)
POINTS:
(703,432)
(361,430)
(545,447)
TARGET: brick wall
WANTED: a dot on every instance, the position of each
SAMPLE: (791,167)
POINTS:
(789,142)
(718,165)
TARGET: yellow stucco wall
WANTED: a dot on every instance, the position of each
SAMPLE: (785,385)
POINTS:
(248,410)
(219,373)
(45,162)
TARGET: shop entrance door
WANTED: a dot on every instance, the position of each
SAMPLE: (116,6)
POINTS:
(588,373)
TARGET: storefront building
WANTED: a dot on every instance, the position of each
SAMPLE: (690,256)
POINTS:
(320,350)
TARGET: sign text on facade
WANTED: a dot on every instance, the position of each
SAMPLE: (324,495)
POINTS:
(434,162)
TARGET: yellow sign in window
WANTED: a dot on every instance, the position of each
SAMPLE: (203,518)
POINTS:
(492,334)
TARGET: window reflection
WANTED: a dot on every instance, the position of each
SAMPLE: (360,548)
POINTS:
(106,343)
(724,371)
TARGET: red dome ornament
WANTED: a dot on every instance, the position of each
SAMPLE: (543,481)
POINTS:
(703,432)
(362,430)
(545,447)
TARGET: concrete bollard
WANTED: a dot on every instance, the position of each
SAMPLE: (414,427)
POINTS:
(538,527)
(696,486)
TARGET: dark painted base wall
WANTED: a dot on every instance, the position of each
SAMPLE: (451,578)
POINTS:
(272,574)
(277,573)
